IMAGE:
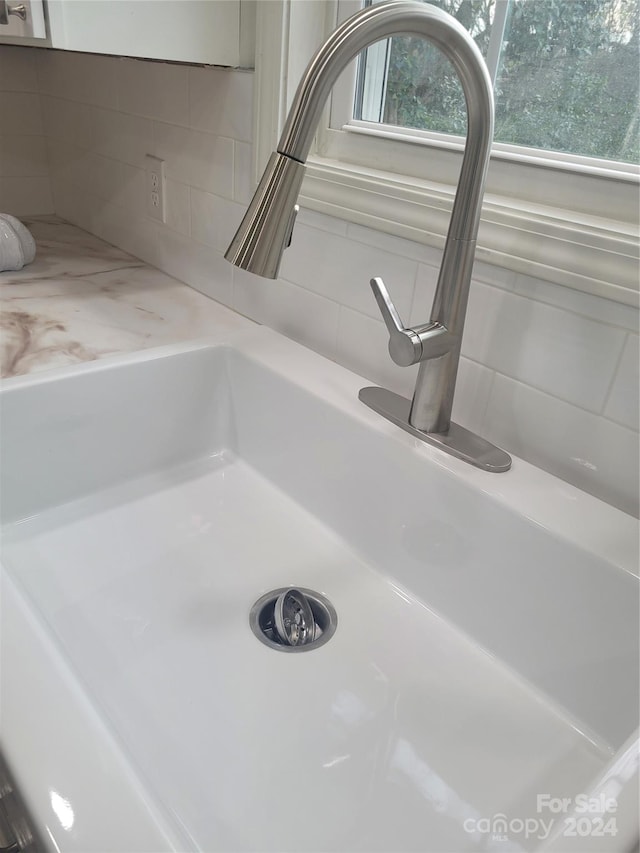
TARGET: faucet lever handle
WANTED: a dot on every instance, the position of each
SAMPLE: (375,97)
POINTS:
(405,346)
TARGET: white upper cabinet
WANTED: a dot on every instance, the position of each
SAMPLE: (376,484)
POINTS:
(211,32)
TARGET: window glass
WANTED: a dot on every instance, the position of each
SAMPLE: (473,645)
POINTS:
(566,76)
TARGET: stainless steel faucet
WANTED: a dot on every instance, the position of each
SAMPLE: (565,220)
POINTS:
(266,228)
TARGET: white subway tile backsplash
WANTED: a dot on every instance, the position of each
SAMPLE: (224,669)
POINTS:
(623,403)
(68,164)
(200,266)
(422,303)
(22,112)
(214,219)
(156,90)
(321,221)
(587,450)
(594,307)
(118,225)
(132,189)
(25,196)
(104,177)
(23,156)
(83,77)
(243,183)
(25,185)
(220,102)
(122,137)
(340,269)
(394,245)
(73,122)
(18,71)
(177,200)
(562,353)
(198,159)
(287,308)
(496,276)
(72,203)
(473,389)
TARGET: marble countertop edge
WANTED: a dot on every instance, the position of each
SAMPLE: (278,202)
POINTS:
(82,299)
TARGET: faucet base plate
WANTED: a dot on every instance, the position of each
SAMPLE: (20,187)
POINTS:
(458,441)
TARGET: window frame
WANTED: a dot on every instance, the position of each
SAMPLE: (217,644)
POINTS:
(537,214)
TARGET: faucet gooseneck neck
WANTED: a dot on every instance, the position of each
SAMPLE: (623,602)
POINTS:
(267,226)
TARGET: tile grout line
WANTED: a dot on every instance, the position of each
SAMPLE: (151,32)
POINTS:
(614,373)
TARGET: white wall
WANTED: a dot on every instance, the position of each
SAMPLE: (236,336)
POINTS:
(24,176)
(548,373)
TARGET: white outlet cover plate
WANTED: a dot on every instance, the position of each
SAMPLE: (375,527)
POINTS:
(154,188)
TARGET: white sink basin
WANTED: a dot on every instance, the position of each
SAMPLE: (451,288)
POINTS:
(486,650)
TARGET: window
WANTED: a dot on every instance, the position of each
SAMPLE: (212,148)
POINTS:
(570,218)
(565,74)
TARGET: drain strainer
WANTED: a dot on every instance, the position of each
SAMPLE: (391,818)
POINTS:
(293,619)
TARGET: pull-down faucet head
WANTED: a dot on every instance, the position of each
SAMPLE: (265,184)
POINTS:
(265,231)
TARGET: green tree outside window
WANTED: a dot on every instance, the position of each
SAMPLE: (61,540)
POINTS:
(568,78)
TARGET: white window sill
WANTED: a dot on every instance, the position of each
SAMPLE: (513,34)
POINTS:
(589,253)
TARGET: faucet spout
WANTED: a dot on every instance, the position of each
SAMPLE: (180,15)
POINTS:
(266,227)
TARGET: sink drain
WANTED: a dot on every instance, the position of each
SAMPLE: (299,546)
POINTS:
(293,619)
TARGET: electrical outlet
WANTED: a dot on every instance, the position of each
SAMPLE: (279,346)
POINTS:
(155,186)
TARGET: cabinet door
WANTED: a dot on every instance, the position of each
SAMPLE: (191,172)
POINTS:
(22,19)
(216,32)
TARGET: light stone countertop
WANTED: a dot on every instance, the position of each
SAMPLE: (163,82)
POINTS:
(82,299)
